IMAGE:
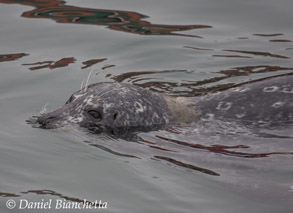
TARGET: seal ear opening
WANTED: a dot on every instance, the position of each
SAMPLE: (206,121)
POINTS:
(115,115)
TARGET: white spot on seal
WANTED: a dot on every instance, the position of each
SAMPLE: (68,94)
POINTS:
(241,89)
(224,105)
(106,106)
(270,89)
(155,115)
(77,120)
(138,107)
(278,104)
(208,117)
(70,119)
(287,90)
(240,115)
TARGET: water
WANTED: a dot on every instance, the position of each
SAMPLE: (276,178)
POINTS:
(177,47)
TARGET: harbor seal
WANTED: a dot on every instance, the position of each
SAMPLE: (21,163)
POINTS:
(111,107)
(120,108)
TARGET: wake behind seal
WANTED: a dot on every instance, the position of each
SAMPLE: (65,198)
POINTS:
(120,108)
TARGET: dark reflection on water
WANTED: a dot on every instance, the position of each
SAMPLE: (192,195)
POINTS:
(188,166)
(64,62)
(108,66)
(109,150)
(268,35)
(232,56)
(11,57)
(196,88)
(223,149)
(258,53)
(6,194)
(255,53)
(279,40)
(50,193)
(197,48)
(125,21)
(130,76)
(92,62)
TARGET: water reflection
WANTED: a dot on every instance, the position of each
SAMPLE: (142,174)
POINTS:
(125,21)
(108,66)
(258,53)
(188,166)
(51,193)
(197,48)
(232,56)
(200,87)
(268,35)
(64,62)
(279,40)
(11,57)
(92,62)
(223,149)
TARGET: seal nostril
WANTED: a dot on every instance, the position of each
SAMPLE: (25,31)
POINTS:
(51,119)
(44,121)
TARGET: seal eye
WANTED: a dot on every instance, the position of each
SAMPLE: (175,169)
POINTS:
(95,114)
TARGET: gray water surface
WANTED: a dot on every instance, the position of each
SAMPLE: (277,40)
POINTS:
(184,48)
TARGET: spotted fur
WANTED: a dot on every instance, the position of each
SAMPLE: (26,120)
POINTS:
(113,107)
(268,102)
(119,108)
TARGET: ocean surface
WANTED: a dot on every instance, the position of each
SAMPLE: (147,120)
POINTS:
(181,48)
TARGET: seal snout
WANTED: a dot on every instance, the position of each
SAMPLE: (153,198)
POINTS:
(47,121)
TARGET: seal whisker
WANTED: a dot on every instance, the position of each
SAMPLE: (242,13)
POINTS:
(44,109)
(81,86)
(88,78)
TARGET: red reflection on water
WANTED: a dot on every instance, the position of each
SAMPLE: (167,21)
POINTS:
(125,21)
(242,71)
(223,149)
(279,40)
(133,75)
(51,64)
(188,166)
(104,148)
(92,62)
(268,35)
(108,66)
(100,204)
(232,56)
(197,48)
(53,193)
(162,149)
(11,57)
(258,53)
(196,88)
(5,194)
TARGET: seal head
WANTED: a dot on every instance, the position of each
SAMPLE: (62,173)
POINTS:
(112,107)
